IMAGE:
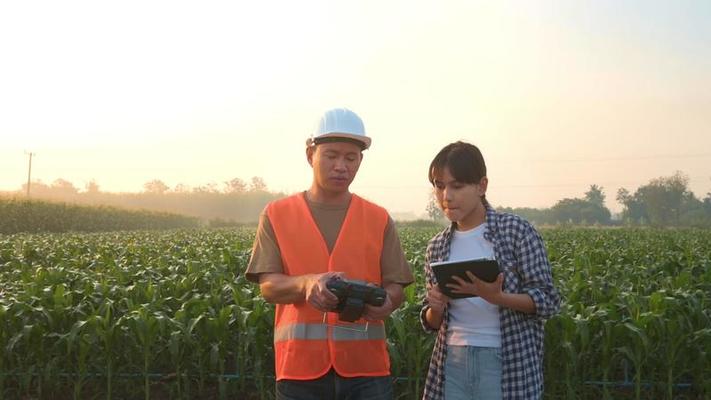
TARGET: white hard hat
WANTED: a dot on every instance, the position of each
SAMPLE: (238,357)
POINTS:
(340,123)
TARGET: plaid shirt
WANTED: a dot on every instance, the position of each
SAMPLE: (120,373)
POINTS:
(522,256)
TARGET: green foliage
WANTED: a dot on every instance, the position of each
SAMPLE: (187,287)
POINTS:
(433,210)
(83,315)
(635,306)
(236,201)
(20,215)
(170,315)
(664,201)
(579,211)
(421,224)
(595,195)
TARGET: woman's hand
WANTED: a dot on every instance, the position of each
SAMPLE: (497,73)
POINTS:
(436,299)
(489,291)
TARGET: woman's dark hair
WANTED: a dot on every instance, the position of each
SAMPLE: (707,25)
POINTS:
(464,161)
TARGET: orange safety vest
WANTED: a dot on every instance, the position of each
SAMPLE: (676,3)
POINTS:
(306,347)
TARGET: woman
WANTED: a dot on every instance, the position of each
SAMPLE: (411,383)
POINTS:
(489,346)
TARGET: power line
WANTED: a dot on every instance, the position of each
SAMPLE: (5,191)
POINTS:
(573,184)
(496,185)
(639,158)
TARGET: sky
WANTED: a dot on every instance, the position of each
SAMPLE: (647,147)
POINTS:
(558,95)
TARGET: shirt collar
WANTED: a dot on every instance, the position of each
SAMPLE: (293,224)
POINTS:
(490,222)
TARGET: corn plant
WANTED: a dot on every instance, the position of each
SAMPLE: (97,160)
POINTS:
(158,314)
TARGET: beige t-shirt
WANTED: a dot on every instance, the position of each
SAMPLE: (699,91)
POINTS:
(266,255)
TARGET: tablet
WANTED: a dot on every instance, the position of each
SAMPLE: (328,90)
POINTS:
(483,269)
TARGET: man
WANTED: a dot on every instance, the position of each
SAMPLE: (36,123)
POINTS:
(308,238)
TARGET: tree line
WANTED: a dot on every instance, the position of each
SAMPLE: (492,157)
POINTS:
(664,201)
(233,202)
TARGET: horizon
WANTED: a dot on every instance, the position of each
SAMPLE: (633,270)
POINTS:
(248,188)
(558,96)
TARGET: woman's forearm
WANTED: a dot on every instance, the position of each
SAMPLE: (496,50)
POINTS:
(517,301)
(433,318)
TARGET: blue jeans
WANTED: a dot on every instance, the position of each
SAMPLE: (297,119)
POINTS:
(472,373)
(335,387)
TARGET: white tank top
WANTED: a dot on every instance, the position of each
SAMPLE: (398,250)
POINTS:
(472,321)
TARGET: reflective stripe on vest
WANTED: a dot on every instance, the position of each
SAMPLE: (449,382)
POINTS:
(338,332)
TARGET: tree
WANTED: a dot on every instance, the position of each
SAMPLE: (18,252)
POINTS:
(535,216)
(212,187)
(181,188)
(39,189)
(91,187)
(633,211)
(258,185)
(62,187)
(663,198)
(155,186)
(209,188)
(588,210)
(433,211)
(569,211)
(663,201)
(595,195)
(235,185)
(623,196)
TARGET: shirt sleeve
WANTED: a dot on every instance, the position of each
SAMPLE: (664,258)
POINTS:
(429,281)
(537,279)
(266,255)
(394,266)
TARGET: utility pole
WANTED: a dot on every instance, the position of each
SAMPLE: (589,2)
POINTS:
(29,172)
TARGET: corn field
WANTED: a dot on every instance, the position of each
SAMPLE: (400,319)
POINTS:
(159,315)
(30,216)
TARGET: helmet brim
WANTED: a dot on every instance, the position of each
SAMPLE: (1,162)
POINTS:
(359,138)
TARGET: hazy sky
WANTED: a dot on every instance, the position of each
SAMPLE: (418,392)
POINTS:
(558,95)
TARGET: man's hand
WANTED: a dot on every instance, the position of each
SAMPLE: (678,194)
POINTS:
(393,298)
(318,295)
(373,313)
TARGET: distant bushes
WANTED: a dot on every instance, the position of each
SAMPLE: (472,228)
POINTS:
(229,223)
(237,202)
(21,215)
(421,223)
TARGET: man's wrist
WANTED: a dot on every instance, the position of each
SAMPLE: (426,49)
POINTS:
(305,283)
